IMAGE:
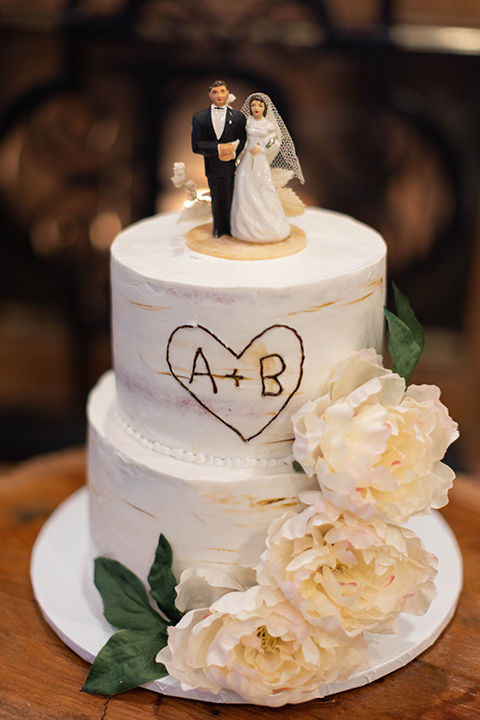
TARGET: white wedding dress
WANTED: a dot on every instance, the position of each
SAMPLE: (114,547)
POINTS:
(257,214)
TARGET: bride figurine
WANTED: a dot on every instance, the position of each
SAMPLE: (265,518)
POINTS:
(257,214)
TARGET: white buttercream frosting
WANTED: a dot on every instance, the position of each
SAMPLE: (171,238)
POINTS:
(213,517)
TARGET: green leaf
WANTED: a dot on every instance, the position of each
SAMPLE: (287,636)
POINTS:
(162,581)
(406,315)
(125,600)
(403,347)
(406,337)
(126,661)
(297,467)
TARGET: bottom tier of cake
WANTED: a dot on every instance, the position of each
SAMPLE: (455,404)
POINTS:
(213,517)
(62,580)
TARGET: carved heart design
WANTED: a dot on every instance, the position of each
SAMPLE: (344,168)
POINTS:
(245,390)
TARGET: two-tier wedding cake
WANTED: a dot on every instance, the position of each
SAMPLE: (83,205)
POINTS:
(253,462)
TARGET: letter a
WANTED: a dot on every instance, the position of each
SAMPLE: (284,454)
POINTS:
(198,354)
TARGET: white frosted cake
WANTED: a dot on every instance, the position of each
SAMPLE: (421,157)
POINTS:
(253,464)
(192,437)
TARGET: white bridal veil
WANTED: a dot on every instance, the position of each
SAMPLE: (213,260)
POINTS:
(285,158)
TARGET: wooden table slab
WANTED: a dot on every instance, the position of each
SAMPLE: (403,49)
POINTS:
(40,678)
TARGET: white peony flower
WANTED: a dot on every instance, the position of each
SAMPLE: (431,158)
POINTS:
(200,587)
(376,447)
(333,565)
(258,645)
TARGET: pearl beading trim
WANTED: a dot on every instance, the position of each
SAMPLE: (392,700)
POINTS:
(201,458)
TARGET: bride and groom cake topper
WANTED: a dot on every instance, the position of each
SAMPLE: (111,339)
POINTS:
(245,200)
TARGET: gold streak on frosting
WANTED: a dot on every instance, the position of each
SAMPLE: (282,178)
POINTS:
(314,308)
(135,507)
(280,440)
(378,282)
(270,501)
(352,302)
(221,549)
(254,502)
(148,307)
(222,499)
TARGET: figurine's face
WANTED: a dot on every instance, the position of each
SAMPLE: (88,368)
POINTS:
(257,108)
(218,95)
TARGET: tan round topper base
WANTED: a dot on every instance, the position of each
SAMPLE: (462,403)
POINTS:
(202,241)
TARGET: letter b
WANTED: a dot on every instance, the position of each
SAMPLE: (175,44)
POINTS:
(271,386)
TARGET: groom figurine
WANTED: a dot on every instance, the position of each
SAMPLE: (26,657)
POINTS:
(218,134)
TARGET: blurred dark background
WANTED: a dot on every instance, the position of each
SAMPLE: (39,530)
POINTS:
(96,97)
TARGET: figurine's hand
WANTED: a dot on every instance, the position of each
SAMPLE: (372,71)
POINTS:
(226,151)
(255,150)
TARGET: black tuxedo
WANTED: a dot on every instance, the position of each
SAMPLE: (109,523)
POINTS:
(220,175)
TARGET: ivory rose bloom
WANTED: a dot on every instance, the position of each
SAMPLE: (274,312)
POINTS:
(333,565)
(258,645)
(376,447)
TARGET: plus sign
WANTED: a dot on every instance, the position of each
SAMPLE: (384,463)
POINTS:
(235,376)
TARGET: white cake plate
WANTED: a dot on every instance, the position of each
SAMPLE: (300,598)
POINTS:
(62,579)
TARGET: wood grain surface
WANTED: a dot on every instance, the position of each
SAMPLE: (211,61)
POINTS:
(40,678)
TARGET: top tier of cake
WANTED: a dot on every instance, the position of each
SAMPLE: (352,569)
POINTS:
(213,356)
